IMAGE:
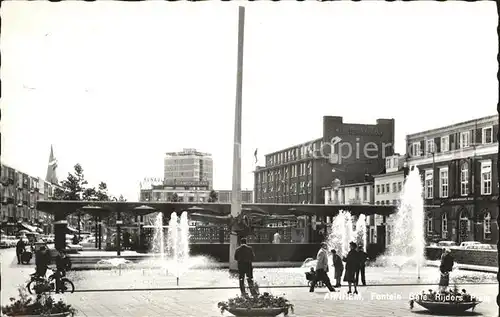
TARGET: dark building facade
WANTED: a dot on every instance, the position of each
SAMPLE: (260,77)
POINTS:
(346,151)
(458,164)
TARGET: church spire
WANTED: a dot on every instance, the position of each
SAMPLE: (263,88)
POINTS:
(51,168)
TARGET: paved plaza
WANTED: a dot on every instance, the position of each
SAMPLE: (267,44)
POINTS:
(91,300)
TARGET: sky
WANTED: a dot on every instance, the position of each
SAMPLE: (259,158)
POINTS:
(115,85)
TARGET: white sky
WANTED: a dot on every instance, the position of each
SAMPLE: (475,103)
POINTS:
(115,85)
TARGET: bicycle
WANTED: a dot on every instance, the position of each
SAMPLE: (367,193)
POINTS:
(37,281)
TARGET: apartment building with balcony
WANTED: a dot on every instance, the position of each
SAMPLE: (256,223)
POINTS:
(19,194)
(299,174)
(458,164)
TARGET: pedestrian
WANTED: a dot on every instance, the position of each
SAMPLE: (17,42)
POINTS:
(445,268)
(363,257)
(20,248)
(322,269)
(351,267)
(75,239)
(277,238)
(42,261)
(339,268)
(244,255)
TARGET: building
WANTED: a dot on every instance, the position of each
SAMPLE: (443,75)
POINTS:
(388,190)
(19,195)
(351,194)
(458,164)
(346,152)
(188,168)
(225,196)
(199,193)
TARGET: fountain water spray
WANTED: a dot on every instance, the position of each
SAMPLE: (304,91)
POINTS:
(159,237)
(408,240)
(342,232)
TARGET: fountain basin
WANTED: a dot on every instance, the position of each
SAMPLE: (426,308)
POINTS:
(260,312)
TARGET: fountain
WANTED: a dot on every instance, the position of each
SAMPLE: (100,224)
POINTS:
(159,237)
(408,241)
(342,232)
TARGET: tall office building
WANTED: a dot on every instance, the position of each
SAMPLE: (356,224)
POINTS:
(188,168)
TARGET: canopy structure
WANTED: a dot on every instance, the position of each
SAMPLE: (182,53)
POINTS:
(210,212)
(61,209)
(30,228)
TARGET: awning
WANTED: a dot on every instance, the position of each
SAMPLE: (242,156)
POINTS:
(29,227)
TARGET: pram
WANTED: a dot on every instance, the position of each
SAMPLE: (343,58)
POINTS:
(26,257)
(311,276)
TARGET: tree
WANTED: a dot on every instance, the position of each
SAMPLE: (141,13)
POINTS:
(121,198)
(213,197)
(102,192)
(73,187)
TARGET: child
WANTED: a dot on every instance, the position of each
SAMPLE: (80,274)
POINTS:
(311,276)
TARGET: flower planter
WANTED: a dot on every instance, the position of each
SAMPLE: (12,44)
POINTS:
(260,312)
(447,307)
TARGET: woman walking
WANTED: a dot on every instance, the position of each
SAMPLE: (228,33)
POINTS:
(351,267)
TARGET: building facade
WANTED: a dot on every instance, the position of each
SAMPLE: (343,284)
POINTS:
(352,194)
(458,164)
(388,191)
(346,152)
(19,195)
(188,167)
(225,196)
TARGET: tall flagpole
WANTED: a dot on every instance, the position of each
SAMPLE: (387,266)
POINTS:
(236,191)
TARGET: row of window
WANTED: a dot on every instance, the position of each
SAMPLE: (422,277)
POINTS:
(444,224)
(386,188)
(395,202)
(486,180)
(465,141)
(292,188)
(339,195)
(300,152)
(284,173)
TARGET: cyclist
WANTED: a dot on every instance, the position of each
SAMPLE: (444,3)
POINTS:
(42,261)
(63,264)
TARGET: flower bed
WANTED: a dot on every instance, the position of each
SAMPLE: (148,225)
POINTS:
(41,305)
(256,305)
(451,301)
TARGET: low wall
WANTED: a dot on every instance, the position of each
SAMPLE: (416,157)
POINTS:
(464,256)
(264,252)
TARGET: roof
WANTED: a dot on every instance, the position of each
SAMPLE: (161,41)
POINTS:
(61,209)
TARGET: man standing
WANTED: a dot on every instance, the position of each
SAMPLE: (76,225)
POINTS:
(277,238)
(445,268)
(20,247)
(322,269)
(244,255)
(363,257)
(339,267)
(42,261)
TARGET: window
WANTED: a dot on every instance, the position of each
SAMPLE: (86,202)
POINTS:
(445,143)
(416,149)
(400,186)
(429,224)
(388,188)
(377,202)
(357,193)
(387,163)
(487,135)
(395,202)
(464,179)
(387,202)
(486,178)
(365,193)
(383,188)
(464,139)
(429,186)
(443,182)
(394,187)
(487,226)
(430,146)
(378,189)
(444,226)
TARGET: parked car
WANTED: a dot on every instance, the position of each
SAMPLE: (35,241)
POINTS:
(446,244)
(480,246)
(465,244)
(4,242)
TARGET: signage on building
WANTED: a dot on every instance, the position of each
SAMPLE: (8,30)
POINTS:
(186,183)
(363,130)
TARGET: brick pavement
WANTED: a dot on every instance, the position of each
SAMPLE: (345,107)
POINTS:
(375,301)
